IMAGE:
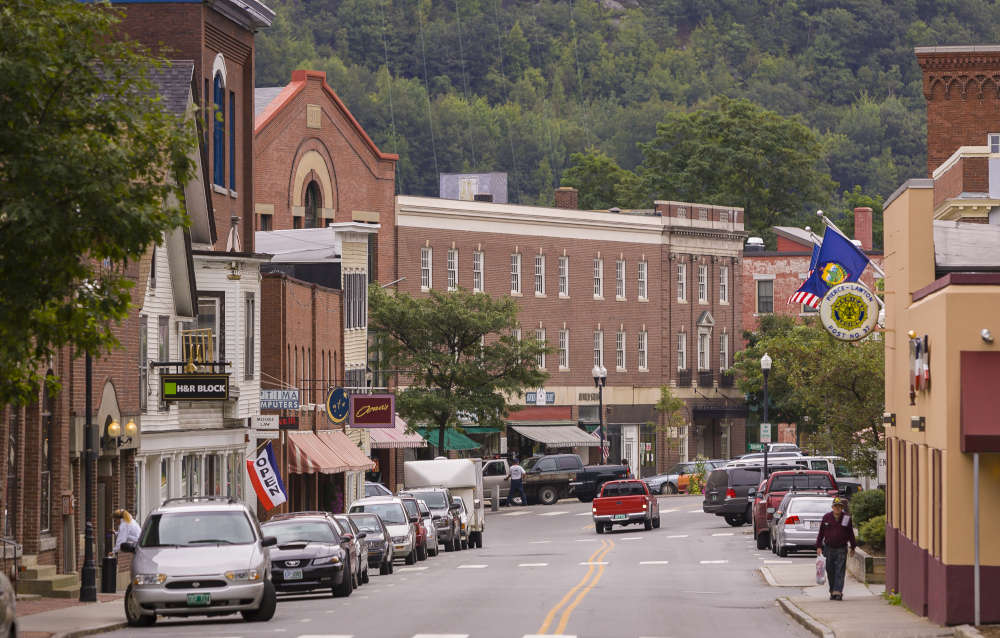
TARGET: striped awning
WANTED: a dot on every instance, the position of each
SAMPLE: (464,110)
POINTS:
(557,435)
(307,454)
(395,437)
(350,455)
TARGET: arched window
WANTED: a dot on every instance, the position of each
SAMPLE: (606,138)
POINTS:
(219,130)
(312,205)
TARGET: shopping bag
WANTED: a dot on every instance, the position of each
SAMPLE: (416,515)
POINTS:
(820,570)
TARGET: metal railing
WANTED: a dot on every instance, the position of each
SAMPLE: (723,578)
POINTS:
(11,560)
(683,378)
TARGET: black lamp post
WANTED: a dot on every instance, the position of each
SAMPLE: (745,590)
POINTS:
(765,368)
(600,374)
(88,575)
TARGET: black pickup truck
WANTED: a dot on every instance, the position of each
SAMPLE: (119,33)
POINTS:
(589,480)
(547,478)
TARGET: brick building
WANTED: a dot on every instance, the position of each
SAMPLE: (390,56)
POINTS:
(652,295)
(770,277)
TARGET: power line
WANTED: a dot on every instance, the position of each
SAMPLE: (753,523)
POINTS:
(427,90)
(510,137)
(392,113)
(465,81)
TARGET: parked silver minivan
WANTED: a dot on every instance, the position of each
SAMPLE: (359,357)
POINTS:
(200,556)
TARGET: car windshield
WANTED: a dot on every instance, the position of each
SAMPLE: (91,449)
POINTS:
(461,503)
(810,505)
(345,523)
(843,470)
(390,513)
(529,463)
(307,531)
(434,500)
(197,528)
(801,482)
(411,507)
(367,523)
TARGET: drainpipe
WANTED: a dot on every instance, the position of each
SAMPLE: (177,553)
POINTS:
(975,538)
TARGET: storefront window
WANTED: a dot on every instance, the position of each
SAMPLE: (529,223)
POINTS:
(164,479)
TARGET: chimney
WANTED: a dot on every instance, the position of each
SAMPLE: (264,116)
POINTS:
(863,226)
(567,197)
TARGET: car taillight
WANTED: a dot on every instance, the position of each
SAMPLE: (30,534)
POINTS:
(730,493)
(792,520)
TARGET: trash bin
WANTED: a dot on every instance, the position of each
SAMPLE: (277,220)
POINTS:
(109,574)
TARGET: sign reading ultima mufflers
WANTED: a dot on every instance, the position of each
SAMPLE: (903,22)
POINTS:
(194,387)
(373,410)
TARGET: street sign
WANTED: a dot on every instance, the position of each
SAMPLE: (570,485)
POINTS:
(279,399)
(765,432)
(373,410)
(194,387)
(755,447)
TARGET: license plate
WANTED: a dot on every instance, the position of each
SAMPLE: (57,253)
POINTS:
(807,525)
(199,600)
(619,517)
(293,574)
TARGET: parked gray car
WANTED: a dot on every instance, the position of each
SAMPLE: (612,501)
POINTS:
(796,521)
(8,609)
(443,513)
(360,543)
(378,539)
(200,556)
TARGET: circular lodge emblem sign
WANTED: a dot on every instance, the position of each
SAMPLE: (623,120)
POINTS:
(849,311)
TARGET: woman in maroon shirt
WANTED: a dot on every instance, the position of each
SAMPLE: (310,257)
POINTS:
(836,532)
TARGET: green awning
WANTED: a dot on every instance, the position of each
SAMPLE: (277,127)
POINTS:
(479,429)
(591,427)
(453,439)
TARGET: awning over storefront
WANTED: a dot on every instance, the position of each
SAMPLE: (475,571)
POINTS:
(351,456)
(453,439)
(395,437)
(479,429)
(556,434)
(308,454)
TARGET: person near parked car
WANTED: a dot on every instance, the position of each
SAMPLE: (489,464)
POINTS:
(516,484)
(836,532)
(128,528)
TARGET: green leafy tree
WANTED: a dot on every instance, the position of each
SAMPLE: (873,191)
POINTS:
(458,354)
(598,179)
(92,170)
(838,386)
(737,154)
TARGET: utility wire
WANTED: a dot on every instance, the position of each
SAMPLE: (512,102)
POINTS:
(427,90)
(392,112)
(510,137)
(465,82)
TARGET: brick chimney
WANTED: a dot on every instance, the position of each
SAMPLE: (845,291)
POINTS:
(567,197)
(863,226)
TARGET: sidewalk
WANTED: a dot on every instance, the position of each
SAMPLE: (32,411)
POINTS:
(62,618)
(862,613)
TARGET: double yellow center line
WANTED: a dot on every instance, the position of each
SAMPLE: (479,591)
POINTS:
(580,590)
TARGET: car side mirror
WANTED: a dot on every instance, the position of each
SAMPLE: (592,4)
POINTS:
(128,548)
(454,507)
(426,515)
(362,535)
(347,537)
(414,519)
(268,541)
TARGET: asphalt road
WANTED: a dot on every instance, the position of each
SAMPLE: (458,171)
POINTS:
(544,571)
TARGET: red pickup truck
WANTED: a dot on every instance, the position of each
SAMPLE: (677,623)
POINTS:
(625,503)
(769,496)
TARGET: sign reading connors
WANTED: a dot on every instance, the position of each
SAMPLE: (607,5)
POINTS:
(194,387)
(373,410)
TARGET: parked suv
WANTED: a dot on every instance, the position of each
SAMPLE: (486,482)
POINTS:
(774,489)
(727,488)
(589,481)
(200,556)
(401,525)
(547,478)
(443,513)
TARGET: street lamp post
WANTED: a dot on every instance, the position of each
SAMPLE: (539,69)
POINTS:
(88,575)
(600,374)
(765,368)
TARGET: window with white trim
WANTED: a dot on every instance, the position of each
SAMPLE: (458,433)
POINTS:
(453,269)
(723,284)
(598,277)
(682,294)
(426,253)
(704,359)
(724,351)
(563,349)
(643,280)
(620,279)
(994,142)
(765,296)
(620,350)
(682,363)
(540,275)
(477,271)
(599,348)
(643,350)
(517,334)
(540,338)
(564,276)
(702,283)
(515,273)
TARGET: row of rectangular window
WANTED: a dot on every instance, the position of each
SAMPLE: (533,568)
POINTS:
(620,348)
(452,265)
(704,351)
(703,290)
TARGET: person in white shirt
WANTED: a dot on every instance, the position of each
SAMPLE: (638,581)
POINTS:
(128,529)
(516,477)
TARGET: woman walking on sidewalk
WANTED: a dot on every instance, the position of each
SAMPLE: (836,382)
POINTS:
(835,533)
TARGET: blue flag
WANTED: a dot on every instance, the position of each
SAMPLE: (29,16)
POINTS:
(835,261)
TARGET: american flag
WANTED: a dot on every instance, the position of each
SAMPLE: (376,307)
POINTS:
(605,447)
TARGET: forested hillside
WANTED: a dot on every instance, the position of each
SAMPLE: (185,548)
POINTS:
(520,86)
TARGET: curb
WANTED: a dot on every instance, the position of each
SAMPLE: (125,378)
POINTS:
(814,626)
(967,631)
(769,577)
(90,631)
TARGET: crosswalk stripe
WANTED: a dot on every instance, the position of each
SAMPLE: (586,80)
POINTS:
(678,536)
(473,566)
(538,542)
(584,514)
(326,636)
(515,513)
(654,562)
(553,513)
(586,540)
(410,569)
(533,565)
(667,511)
(777,562)
(723,534)
(632,538)
(714,562)
(440,635)
(695,511)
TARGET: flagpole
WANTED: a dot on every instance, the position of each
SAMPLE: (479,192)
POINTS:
(830,224)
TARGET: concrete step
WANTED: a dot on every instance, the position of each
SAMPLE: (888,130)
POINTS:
(45,586)
(65,592)
(38,572)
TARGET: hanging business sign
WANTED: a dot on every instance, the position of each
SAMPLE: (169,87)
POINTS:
(849,311)
(279,399)
(194,387)
(373,410)
(337,404)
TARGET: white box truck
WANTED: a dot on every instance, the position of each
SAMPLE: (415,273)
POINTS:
(463,477)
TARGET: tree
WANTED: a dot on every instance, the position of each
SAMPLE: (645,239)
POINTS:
(597,178)
(672,409)
(737,154)
(458,353)
(839,386)
(92,170)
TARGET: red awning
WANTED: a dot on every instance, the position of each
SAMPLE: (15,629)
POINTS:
(350,455)
(307,454)
(395,437)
